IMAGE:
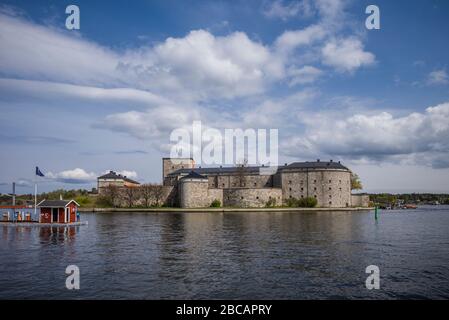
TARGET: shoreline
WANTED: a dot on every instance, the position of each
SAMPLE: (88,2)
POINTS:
(100,210)
(37,224)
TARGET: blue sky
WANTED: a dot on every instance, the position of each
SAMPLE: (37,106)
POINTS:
(107,96)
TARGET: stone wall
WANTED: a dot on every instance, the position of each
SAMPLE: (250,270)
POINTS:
(331,188)
(215,194)
(193,193)
(168,196)
(250,198)
(360,200)
(243,181)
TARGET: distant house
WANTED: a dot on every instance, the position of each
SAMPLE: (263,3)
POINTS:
(114,179)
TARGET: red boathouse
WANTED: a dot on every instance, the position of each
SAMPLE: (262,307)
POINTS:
(58,211)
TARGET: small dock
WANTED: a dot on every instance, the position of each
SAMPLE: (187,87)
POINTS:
(37,224)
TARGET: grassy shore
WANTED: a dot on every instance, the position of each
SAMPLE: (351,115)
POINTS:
(165,209)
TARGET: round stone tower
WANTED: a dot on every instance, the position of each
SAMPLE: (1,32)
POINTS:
(193,191)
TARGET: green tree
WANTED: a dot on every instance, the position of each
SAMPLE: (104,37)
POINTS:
(356,184)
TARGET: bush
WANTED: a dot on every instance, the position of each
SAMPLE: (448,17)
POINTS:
(270,203)
(83,201)
(215,204)
(292,202)
(308,202)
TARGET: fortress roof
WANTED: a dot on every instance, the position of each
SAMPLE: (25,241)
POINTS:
(317,165)
(194,175)
(255,170)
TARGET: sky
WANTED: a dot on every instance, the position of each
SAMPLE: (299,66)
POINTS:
(78,103)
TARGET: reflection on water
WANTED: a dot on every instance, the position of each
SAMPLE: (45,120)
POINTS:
(274,255)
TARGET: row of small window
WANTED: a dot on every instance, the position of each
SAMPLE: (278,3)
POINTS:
(302,196)
(314,181)
(257,197)
(302,189)
(235,185)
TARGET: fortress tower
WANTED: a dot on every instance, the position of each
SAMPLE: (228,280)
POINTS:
(170,165)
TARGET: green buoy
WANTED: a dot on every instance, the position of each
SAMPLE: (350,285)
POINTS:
(376,209)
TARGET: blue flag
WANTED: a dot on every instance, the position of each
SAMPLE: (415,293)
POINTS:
(39,173)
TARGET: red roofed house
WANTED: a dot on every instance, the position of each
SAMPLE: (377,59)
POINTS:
(58,211)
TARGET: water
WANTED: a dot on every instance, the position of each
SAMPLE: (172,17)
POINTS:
(232,256)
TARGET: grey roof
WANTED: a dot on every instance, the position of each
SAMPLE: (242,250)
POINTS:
(255,170)
(55,203)
(194,175)
(115,175)
(317,165)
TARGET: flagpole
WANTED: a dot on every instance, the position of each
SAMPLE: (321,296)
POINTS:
(35,196)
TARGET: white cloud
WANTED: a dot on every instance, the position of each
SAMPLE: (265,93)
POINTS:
(417,137)
(304,75)
(37,52)
(286,10)
(292,39)
(437,77)
(346,55)
(54,90)
(75,176)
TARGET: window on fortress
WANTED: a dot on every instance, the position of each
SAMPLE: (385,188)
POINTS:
(330,188)
(302,196)
(222,184)
(339,181)
(289,181)
(289,189)
(242,198)
(314,181)
(302,189)
(255,184)
(314,188)
(314,195)
(340,189)
(257,197)
(330,181)
(330,202)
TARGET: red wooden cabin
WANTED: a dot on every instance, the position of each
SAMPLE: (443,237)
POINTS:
(58,211)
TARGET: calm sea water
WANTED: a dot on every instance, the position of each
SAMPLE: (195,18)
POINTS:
(232,256)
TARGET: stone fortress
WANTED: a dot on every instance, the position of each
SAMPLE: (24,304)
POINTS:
(196,187)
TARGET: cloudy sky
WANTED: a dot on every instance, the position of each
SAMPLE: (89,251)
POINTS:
(80,102)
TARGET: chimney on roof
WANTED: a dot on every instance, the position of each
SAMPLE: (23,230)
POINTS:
(111,171)
(285,164)
(263,165)
(221,166)
(332,160)
(60,196)
(338,161)
(317,160)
